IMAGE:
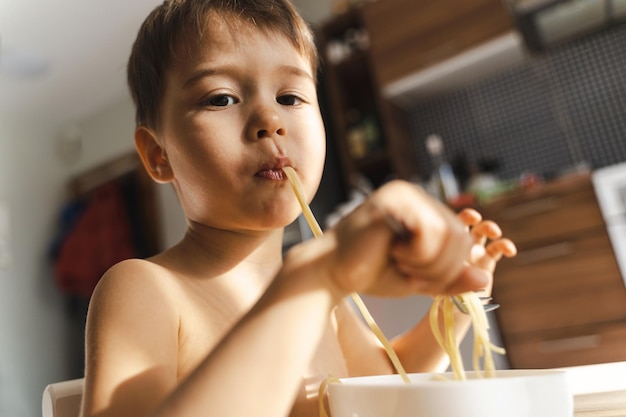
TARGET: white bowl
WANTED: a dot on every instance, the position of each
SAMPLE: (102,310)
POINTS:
(511,393)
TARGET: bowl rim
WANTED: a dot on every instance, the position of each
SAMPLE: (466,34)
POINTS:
(434,378)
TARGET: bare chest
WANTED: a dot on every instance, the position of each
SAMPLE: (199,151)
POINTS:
(206,320)
(206,316)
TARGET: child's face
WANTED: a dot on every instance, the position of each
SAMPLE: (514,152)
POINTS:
(236,109)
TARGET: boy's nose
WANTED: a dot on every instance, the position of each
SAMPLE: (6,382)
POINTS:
(267,123)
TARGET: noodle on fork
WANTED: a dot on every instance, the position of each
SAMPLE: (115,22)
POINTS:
(445,335)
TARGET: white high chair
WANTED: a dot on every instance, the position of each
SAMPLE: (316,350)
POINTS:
(62,399)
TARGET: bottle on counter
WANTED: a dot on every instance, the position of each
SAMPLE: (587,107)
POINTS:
(447,187)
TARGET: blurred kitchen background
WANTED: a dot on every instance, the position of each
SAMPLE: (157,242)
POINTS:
(514,107)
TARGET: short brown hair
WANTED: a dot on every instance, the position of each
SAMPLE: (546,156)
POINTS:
(162,31)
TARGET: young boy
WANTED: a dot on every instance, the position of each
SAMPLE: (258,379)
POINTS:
(221,325)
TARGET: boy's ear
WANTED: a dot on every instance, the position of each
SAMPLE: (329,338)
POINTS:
(153,155)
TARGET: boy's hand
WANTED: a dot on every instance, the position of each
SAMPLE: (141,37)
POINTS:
(431,258)
(489,245)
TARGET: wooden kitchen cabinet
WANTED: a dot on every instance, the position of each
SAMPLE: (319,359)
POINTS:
(371,45)
(407,36)
(563,300)
(371,135)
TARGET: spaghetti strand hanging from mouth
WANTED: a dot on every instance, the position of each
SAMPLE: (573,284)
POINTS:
(296,186)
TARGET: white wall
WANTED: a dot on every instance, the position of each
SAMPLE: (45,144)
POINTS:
(32,322)
(34,327)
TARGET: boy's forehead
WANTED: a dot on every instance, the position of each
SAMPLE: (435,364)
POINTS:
(226,34)
(233,30)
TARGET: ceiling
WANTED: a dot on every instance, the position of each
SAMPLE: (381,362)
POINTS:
(65,59)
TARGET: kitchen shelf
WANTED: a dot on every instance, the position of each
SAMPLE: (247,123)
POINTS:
(366,130)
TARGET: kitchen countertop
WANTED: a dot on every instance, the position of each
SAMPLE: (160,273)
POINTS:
(602,404)
(599,390)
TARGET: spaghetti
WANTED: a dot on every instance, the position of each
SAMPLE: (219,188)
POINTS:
(446,336)
(317,232)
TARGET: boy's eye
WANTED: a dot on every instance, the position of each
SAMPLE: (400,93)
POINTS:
(289,100)
(220,100)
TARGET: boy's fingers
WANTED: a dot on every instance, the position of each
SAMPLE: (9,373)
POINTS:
(501,247)
(469,217)
(486,230)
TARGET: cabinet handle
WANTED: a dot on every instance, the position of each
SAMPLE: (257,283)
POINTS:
(529,209)
(570,343)
(544,253)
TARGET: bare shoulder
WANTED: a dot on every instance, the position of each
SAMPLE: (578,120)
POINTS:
(133,309)
(135,287)
(134,277)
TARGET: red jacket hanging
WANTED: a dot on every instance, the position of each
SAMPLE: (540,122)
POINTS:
(100,238)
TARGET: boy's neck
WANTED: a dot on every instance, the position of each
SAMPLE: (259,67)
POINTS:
(217,252)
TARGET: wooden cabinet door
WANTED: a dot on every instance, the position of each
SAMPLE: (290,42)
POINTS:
(409,35)
(553,212)
(562,298)
(576,283)
(571,347)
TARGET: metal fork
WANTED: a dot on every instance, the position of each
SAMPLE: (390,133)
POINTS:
(458,302)
(402,232)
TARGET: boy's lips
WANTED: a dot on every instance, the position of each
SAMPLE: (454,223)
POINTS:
(272,174)
(274,170)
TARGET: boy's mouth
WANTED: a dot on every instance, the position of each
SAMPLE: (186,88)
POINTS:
(274,170)
(276,174)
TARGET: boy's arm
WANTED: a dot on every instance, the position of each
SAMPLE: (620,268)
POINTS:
(417,348)
(256,370)
(363,352)
(131,344)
